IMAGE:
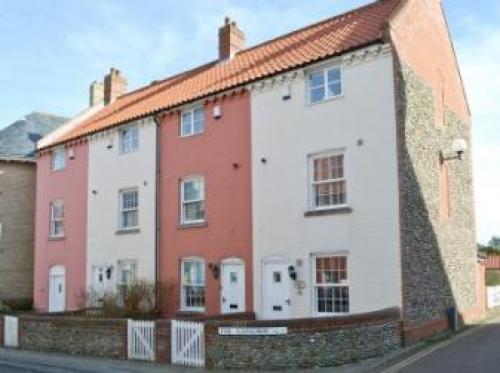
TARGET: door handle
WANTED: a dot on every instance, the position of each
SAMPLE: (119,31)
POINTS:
(288,302)
(223,300)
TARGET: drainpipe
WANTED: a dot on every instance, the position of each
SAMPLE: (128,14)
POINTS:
(157,119)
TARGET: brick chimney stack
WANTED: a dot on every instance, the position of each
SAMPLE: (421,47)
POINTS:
(231,40)
(115,85)
(96,93)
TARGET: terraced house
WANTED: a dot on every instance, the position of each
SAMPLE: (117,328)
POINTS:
(324,172)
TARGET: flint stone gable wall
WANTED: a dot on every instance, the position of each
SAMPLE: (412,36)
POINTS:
(438,255)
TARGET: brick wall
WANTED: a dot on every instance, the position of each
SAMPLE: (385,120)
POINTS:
(17,191)
(309,342)
(163,341)
(75,336)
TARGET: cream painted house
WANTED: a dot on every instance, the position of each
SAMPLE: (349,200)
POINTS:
(121,207)
(296,130)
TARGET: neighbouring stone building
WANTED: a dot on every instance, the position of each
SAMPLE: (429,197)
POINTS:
(17,203)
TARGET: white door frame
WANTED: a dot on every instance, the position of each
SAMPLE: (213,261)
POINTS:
(233,261)
(270,260)
(54,272)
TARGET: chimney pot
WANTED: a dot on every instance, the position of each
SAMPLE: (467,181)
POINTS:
(96,93)
(231,39)
(115,85)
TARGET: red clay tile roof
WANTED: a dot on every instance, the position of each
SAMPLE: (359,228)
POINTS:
(348,31)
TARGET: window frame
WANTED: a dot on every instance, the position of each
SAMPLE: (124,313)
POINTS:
(326,83)
(183,202)
(60,151)
(134,141)
(183,284)
(342,284)
(191,111)
(122,210)
(120,285)
(311,183)
(53,220)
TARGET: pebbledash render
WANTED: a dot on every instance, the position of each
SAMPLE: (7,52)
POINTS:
(316,174)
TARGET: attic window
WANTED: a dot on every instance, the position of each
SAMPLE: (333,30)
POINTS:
(58,159)
(325,84)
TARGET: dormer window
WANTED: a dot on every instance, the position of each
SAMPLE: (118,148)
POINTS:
(324,84)
(129,139)
(58,159)
(192,122)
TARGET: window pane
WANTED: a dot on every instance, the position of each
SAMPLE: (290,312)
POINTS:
(198,120)
(334,75)
(129,139)
(58,159)
(130,219)
(316,79)
(194,296)
(186,124)
(130,199)
(192,190)
(194,211)
(316,94)
(334,89)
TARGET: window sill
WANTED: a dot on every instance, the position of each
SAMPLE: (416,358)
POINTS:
(191,312)
(200,224)
(329,211)
(128,231)
(329,99)
(57,238)
(193,135)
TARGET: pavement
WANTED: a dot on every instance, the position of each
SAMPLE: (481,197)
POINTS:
(473,350)
(19,361)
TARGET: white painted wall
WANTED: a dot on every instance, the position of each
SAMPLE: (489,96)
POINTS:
(285,133)
(109,172)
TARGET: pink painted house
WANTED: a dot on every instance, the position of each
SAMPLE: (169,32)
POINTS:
(61,224)
(206,241)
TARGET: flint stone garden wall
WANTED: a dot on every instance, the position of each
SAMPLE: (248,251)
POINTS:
(309,343)
(75,336)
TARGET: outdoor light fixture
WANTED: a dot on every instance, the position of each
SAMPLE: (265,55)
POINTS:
(108,272)
(458,148)
(292,272)
(215,269)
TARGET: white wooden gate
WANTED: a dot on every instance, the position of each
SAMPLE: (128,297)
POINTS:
(188,343)
(141,340)
(10,331)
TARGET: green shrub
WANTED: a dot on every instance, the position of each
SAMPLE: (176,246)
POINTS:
(492,277)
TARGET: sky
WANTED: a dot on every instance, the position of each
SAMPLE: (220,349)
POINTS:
(51,50)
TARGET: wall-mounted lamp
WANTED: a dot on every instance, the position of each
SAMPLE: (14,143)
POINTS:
(292,273)
(109,270)
(214,267)
(458,148)
(217,111)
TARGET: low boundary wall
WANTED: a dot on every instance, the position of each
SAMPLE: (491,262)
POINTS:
(318,342)
(74,335)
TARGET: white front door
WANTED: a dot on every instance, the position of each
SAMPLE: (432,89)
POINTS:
(232,286)
(57,289)
(100,282)
(276,285)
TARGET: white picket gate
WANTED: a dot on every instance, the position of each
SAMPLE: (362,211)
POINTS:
(188,343)
(10,331)
(141,340)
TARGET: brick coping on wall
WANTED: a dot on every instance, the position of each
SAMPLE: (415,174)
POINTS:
(317,323)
